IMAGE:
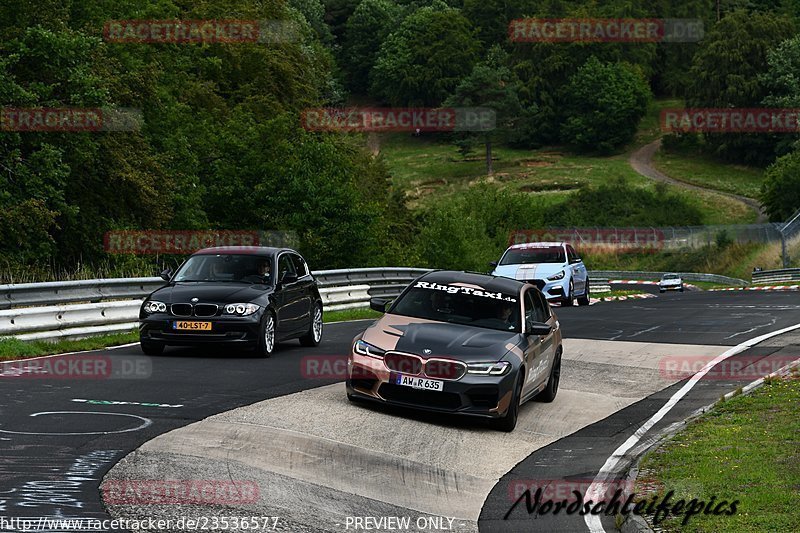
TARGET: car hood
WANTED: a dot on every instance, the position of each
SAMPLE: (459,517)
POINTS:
(218,293)
(452,341)
(526,272)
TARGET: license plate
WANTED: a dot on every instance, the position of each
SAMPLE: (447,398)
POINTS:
(419,383)
(192,326)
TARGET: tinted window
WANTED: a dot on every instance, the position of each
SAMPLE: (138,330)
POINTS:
(299,265)
(460,305)
(530,308)
(529,256)
(542,309)
(571,253)
(284,265)
(222,268)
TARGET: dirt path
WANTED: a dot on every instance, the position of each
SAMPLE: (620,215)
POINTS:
(642,162)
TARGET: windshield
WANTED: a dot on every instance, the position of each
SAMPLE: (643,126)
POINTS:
(530,256)
(460,305)
(670,276)
(226,268)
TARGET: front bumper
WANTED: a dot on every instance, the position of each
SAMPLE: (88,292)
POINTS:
(242,331)
(473,395)
(553,290)
(678,287)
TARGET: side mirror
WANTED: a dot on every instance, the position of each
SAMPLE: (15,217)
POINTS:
(538,328)
(493,264)
(378,304)
(576,261)
(288,278)
(166,274)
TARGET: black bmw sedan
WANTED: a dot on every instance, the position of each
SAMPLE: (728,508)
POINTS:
(248,297)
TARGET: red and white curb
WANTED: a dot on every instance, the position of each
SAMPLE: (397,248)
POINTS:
(593,301)
(762,288)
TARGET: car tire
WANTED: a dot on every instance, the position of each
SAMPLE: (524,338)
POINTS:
(314,335)
(551,389)
(585,299)
(265,346)
(569,301)
(152,348)
(509,421)
(662,291)
(681,289)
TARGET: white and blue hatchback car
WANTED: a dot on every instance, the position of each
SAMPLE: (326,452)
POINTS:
(553,267)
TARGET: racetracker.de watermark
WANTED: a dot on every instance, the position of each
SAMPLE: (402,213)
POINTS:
(746,368)
(79,367)
(70,119)
(624,30)
(378,119)
(595,239)
(716,120)
(201,31)
(179,492)
(179,242)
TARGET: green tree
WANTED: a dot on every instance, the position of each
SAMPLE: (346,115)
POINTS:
(491,85)
(780,193)
(364,33)
(545,68)
(727,72)
(422,62)
(314,13)
(603,104)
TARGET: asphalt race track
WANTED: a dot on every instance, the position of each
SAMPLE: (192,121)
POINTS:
(284,424)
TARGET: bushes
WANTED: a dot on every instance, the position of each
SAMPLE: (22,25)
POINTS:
(781,190)
(603,104)
(619,204)
(469,230)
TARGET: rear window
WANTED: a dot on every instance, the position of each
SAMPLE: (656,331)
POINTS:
(530,256)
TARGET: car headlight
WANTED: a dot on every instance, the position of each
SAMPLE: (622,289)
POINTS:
(155,307)
(365,348)
(241,309)
(489,369)
(557,277)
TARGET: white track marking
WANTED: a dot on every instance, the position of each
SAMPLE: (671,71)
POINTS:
(595,489)
(145,422)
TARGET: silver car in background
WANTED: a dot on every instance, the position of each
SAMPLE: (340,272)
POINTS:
(670,282)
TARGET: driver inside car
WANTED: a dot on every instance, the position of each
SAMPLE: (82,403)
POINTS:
(262,274)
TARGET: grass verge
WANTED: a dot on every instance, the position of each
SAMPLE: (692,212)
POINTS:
(710,173)
(17,349)
(349,314)
(745,449)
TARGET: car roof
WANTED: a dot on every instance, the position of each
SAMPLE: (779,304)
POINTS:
(536,245)
(265,251)
(489,283)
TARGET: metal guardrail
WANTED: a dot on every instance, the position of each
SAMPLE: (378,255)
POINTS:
(73,309)
(655,276)
(776,276)
(89,290)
